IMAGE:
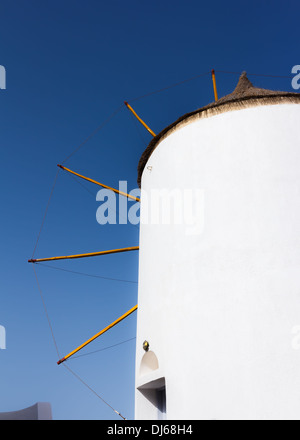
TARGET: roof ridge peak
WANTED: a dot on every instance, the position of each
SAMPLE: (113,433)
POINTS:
(243,84)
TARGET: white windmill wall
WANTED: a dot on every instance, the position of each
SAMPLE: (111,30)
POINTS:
(220,309)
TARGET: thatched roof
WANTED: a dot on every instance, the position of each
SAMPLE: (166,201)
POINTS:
(245,95)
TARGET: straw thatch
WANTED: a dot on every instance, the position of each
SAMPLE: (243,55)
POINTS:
(245,95)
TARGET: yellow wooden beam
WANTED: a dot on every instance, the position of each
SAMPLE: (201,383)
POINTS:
(139,119)
(98,334)
(98,183)
(92,254)
(214,84)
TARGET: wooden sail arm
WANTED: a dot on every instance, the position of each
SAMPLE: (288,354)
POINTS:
(98,183)
(139,119)
(98,334)
(214,84)
(92,254)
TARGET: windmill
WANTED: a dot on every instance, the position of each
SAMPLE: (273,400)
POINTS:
(215,305)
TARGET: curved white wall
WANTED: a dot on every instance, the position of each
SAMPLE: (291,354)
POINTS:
(221,309)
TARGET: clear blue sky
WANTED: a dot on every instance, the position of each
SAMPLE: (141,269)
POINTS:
(69,65)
